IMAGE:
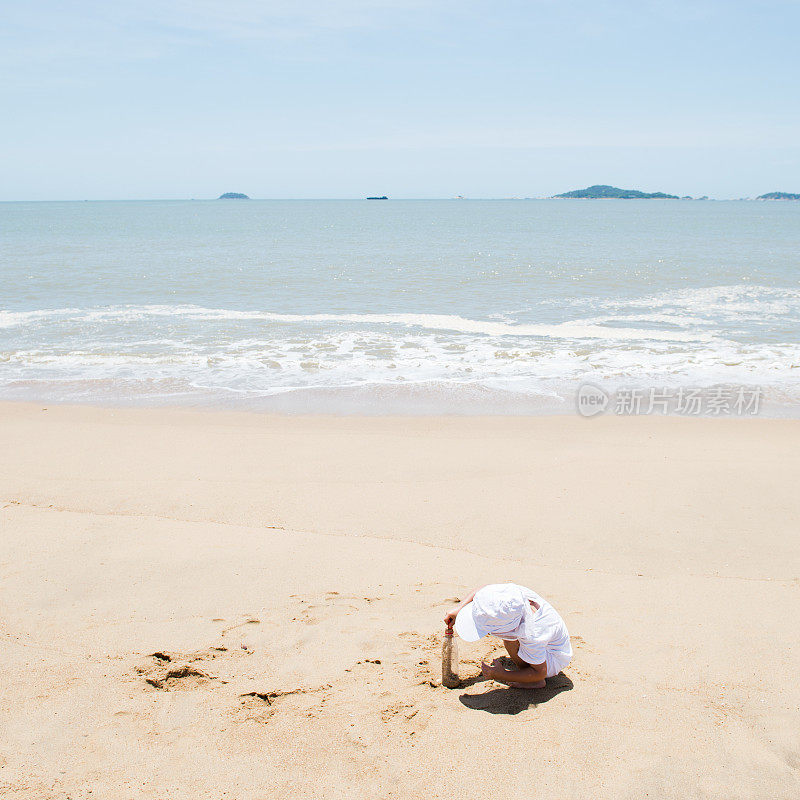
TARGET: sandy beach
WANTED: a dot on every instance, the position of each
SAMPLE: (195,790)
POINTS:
(199,604)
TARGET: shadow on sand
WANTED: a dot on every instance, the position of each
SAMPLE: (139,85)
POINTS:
(514,701)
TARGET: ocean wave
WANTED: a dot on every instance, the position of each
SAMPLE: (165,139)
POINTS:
(577,329)
(735,302)
(676,337)
(705,306)
(355,357)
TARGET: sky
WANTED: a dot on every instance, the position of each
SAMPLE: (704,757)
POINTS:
(348,98)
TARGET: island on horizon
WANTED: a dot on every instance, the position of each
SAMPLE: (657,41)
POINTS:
(382,197)
(602,191)
(233,196)
(778,196)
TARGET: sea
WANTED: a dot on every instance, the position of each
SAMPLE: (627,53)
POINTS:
(403,306)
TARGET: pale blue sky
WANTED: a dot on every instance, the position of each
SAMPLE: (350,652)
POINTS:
(344,98)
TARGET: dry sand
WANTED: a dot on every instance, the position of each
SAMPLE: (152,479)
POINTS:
(221,605)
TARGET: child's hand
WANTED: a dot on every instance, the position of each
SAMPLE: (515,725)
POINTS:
(492,670)
(450,617)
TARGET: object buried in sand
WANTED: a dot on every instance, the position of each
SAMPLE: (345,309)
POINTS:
(450,660)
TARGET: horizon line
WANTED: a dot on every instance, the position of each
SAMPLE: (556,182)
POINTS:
(360,198)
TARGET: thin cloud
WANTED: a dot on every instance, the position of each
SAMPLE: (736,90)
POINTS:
(249,19)
(87,29)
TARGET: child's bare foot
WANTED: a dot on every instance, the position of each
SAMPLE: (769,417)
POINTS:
(537,685)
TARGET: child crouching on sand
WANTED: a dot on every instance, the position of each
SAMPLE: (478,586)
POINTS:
(533,633)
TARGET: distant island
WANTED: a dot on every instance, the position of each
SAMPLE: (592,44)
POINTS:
(779,196)
(233,196)
(602,191)
(382,197)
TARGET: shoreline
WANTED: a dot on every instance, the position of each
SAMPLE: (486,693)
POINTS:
(220,410)
(530,408)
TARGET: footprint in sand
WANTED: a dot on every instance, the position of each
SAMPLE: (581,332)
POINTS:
(168,670)
(405,717)
(249,620)
(370,668)
(332,603)
(261,706)
(399,709)
(164,671)
(419,642)
(245,644)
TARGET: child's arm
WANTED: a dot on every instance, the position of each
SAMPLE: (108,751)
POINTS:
(450,616)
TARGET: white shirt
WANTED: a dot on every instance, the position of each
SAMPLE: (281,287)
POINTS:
(546,638)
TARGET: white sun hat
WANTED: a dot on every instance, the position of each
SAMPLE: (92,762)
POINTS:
(499,609)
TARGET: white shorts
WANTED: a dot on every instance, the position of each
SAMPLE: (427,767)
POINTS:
(556,662)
